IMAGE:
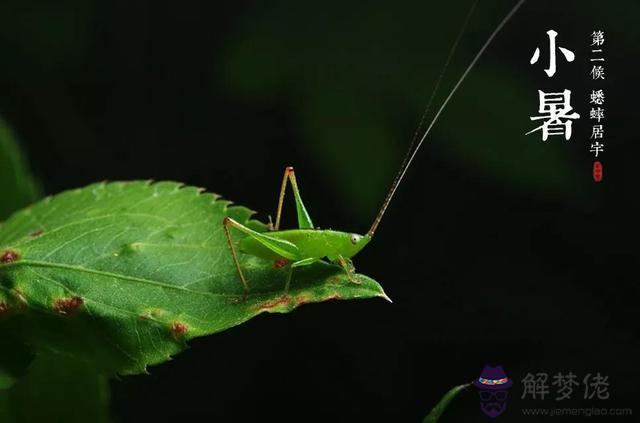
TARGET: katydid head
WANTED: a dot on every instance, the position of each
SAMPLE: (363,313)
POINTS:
(352,244)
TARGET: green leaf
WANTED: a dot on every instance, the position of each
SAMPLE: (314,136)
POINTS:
(124,273)
(440,407)
(57,389)
(17,187)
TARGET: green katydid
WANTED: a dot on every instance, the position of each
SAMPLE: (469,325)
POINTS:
(307,244)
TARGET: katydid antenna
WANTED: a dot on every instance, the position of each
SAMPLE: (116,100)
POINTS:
(411,153)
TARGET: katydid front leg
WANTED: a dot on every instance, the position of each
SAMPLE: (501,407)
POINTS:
(349,268)
(295,264)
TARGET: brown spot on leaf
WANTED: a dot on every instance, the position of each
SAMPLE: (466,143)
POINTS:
(293,302)
(68,305)
(9,256)
(302,299)
(4,308)
(178,328)
(36,233)
(270,305)
(280,263)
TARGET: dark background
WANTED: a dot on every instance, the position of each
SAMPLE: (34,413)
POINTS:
(498,249)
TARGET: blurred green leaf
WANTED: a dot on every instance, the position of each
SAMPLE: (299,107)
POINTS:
(14,356)
(17,189)
(57,389)
(17,186)
(436,412)
(123,274)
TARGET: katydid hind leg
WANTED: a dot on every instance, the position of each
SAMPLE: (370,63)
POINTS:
(304,220)
(225,224)
(281,247)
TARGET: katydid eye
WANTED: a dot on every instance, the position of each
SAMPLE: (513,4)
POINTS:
(355,238)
